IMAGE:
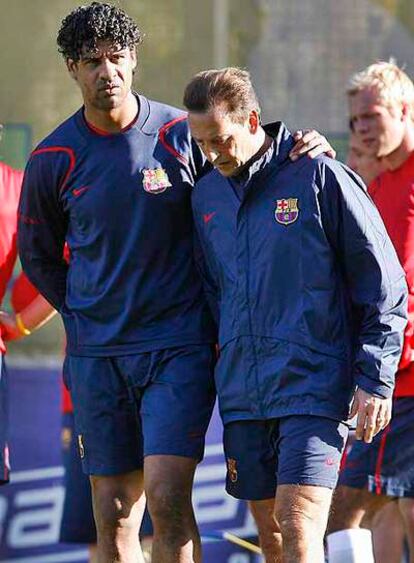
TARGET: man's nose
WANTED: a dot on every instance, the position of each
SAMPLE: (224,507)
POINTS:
(361,125)
(211,154)
(106,70)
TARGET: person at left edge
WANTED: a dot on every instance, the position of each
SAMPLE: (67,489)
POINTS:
(114,181)
(17,324)
(311,302)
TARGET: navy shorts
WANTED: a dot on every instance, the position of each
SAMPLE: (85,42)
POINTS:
(77,524)
(128,407)
(4,424)
(386,466)
(291,450)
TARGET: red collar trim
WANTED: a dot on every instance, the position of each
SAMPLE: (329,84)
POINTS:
(104,133)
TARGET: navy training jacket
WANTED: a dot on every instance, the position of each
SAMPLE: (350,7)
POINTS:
(122,202)
(306,285)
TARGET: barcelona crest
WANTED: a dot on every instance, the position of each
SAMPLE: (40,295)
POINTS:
(155,180)
(287,210)
(232,469)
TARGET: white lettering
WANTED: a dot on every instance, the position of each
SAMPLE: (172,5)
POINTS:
(38,526)
(212,504)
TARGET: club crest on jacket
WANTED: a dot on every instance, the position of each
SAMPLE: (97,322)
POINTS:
(155,180)
(287,210)
(232,469)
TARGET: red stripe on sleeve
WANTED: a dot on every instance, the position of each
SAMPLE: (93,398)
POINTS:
(67,150)
(163,132)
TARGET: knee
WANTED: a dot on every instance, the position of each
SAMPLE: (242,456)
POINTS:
(168,505)
(300,526)
(294,527)
(267,527)
(115,506)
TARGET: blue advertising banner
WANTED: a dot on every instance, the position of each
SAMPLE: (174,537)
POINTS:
(31,505)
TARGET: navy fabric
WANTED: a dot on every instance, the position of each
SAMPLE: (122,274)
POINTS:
(294,450)
(127,407)
(77,524)
(4,424)
(306,284)
(386,466)
(122,204)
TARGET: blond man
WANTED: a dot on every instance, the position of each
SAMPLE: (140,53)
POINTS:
(381,101)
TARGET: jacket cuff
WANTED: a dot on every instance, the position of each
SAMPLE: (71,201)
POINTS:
(375,388)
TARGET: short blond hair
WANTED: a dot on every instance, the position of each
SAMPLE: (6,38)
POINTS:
(391,82)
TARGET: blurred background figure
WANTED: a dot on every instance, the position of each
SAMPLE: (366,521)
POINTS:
(387,525)
(19,323)
(364,164)
(381,107)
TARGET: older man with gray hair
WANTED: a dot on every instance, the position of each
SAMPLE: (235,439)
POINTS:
(311,304)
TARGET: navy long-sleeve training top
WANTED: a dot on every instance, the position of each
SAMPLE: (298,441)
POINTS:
(305,282)
(122,202)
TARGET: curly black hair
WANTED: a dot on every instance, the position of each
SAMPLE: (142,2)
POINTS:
(85,26)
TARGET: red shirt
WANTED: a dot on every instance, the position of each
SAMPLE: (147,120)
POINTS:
(393,194)
(67,406)
(22,294)
(10,185)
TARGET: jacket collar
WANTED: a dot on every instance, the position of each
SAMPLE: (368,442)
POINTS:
(277,153)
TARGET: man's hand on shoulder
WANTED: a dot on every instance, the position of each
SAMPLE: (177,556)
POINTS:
(373,414)
(311,143)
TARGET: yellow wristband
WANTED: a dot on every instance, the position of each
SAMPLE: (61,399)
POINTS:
(20,325)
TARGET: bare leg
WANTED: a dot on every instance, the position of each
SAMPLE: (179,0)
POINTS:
(406,507)
(146,546)
(352,510)
(350,506)
(388,534)
(269,531)
(118,505)
(168,485)
(93,553)
(302,514)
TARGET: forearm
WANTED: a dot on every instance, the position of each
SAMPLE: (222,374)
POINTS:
(47,276)
(36,314)
(24,322)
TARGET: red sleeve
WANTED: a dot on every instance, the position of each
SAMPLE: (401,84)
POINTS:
(67,405)
(22,293)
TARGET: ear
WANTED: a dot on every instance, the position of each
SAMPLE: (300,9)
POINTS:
(406,111)
(72,67)
(133,58)
(254,121)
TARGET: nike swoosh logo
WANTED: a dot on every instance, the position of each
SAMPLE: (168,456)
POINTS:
(78,191)
(208,216)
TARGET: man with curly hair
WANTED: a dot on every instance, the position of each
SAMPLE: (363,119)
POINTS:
(114,182)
